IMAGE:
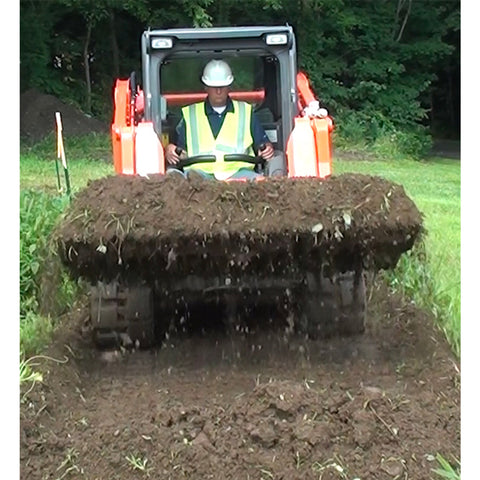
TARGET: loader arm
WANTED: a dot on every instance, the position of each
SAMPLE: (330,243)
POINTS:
(309,146)
(136,146)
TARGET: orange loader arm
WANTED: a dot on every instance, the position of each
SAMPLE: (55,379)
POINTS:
(309,148)
(136,147)
(123,130)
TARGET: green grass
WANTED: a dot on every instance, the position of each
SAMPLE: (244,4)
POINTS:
(27,374)
(87,158)
(434,186)
(446,470)
(39,212)
(41,205)
(138,462)
(94,146)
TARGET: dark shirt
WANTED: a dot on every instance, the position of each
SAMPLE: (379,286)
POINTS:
(216,121)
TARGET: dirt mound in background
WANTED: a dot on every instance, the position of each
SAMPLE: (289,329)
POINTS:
(176,226)
(37,117)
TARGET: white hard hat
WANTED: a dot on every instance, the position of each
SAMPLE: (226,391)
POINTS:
(217,73)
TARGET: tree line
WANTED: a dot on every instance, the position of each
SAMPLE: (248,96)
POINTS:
(380,66)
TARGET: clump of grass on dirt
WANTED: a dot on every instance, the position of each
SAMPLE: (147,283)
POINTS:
(138,462)
(446,470)
(69,465)
(27,374)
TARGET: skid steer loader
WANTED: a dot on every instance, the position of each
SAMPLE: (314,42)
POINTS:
(132,301)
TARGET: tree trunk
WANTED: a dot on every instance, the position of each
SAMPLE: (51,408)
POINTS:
(86,62)
(451,109)
(400,5)
(405,21)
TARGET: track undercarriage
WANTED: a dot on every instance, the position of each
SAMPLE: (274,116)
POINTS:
(136,314)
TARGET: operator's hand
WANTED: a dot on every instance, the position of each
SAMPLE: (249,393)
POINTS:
(267,152)
(172,156)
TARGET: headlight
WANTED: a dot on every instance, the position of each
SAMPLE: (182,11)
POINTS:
(276,39)
(162,42)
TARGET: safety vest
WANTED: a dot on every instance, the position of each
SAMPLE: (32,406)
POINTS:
(234,137)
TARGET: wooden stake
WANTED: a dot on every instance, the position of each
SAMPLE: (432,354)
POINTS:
(61,151)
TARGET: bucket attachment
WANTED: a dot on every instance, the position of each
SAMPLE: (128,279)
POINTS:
(193,240)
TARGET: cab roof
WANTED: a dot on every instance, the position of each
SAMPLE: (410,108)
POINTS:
(219,32)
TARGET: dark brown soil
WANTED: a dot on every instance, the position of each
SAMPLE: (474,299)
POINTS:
(376,406)
(170,226)
(37,117)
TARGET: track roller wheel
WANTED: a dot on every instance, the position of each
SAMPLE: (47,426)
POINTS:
(122,315)
(333,306)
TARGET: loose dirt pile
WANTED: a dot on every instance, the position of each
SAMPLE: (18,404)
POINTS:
(37,117)
(377,406)
(168,225)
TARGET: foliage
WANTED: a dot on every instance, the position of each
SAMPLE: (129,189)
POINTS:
(446,470)
(35,333)
(38,214)
(368,60)
(416,279)
(360,130)
(377,76)
(43,286)
(27,374)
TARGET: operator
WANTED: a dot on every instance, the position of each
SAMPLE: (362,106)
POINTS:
(219,125)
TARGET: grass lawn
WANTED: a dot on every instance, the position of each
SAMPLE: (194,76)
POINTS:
(87,158)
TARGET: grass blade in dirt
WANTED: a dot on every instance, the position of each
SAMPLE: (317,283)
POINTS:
(447,470)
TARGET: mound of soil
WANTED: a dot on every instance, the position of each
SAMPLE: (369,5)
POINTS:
(261,406)
(37,117)
(171,226)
